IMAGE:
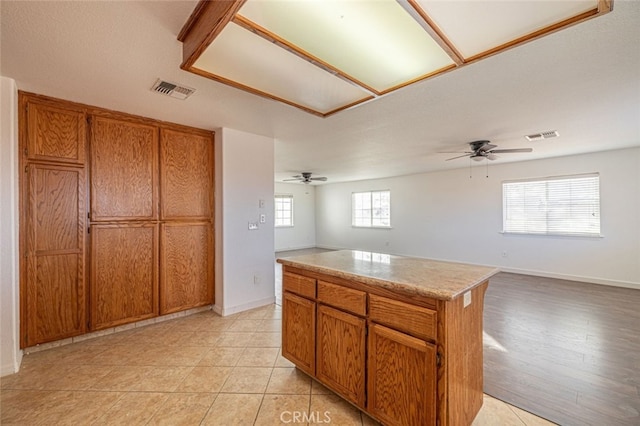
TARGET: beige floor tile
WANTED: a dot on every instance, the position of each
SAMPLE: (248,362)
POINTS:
(73,354)
(282,361)
(54,407)
(183,409)
(289,381)
(181,356)
(258,357)
(134,408)
(245,325)
(205,379)
(233,410)
(495,412)
(247,380)
(320,389)
(530,419)
(271,325)
(265,340)
(235,339)
(368,421)
(143,378)
(254,314)
(336,410)
(34,375)
(79,378)
(200,338)
(284,409)
(221,357)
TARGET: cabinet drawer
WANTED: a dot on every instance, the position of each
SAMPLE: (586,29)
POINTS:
(414,320)
(350,300)
(299,284)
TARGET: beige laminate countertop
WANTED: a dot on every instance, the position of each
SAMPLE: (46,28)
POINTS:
(409,275)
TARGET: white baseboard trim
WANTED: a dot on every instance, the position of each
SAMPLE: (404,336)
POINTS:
(591,280)
(278,250)
(246,306)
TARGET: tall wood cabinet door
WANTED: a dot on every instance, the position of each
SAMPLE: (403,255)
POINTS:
(54,287)
(299,331)
(186,263)
(55,132)
(340,357)
(401,378)
(186,175)
(124,158)
(124,273)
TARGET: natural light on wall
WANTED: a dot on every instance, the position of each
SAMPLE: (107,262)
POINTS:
(325,56)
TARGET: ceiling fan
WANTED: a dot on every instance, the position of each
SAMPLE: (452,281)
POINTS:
(485,149)
(305,177)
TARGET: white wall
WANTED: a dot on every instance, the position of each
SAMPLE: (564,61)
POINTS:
(303,233)
(10,353)
(246,174)
(446,215)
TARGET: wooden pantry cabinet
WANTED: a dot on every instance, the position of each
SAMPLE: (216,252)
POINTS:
(117,218)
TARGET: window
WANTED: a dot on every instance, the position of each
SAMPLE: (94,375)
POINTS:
(371,209)
(568,205)
(284,210)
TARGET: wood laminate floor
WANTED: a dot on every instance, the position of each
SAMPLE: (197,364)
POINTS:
(566,351)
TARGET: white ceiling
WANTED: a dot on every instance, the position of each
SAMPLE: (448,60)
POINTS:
(583,81)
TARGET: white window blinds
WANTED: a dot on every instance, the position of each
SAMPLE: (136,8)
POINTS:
(568,205)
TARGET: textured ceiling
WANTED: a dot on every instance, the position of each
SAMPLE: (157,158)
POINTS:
(583,81)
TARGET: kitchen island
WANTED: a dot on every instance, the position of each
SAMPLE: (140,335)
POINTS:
(398,337)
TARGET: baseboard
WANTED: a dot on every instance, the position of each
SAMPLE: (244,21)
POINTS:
(245,306)
(591,280)
(278,250)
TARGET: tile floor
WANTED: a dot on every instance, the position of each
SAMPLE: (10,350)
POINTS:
(197,370)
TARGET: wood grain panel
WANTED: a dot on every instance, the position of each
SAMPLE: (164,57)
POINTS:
(299,331)
(186,262)
(350,300)
(299,284)
(460,376)
(401,378)
(186,175)
(124,274)
(124,158)
(53,290)
(415,320)
(55,132)
(340,357)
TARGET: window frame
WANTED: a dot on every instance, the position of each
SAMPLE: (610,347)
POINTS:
(553,201)
(370,209)
(275,210)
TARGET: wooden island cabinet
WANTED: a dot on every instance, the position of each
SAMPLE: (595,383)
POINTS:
(400,338)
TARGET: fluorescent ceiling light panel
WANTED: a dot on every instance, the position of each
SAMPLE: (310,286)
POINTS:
(474,27)
(242,57)
(377,43)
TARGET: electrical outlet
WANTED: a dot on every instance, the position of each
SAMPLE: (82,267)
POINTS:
(256,279)
(263,218)
(504,254)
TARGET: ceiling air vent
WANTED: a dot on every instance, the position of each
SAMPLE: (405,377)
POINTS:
(543,135)
(172,89)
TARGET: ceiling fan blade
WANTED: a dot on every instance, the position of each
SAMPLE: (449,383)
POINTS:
(288,180)
(322,179)
(459,156)
(487,147)
(503,151)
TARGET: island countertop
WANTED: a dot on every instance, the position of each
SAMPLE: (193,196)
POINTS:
(410,275)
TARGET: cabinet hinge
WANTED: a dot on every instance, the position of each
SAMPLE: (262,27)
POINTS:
(438,359)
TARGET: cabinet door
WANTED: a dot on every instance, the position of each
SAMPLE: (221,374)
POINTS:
(401,378)
(186,261)
(55,133)
(54,300)
(186,175)
(124,157)
(340,356)
(299,331)
(124,271)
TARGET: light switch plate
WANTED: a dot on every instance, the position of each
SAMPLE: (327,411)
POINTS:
(467,299)
(253,226)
